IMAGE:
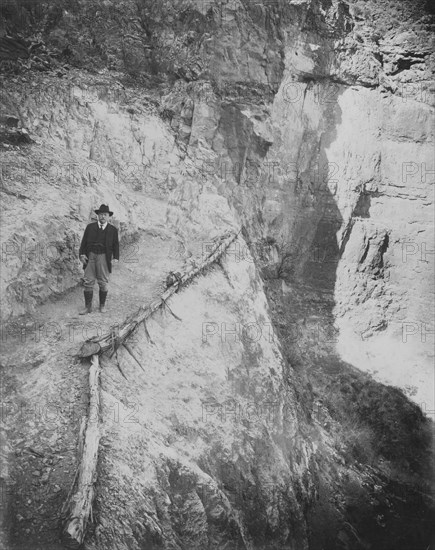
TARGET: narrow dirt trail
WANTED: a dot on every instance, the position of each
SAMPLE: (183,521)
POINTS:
(45,393)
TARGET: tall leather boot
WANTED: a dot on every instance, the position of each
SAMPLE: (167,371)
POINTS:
(103,296)
(88,302)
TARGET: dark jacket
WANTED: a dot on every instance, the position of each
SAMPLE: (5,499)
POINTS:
(112,242)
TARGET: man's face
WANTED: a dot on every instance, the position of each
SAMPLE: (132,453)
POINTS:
(103,217)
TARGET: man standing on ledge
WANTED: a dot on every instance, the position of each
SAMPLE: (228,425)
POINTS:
(99,244)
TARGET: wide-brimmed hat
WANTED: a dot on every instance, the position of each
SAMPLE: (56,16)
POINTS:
(103,208)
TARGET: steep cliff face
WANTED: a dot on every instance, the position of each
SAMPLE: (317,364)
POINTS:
(307,124)
(206,458)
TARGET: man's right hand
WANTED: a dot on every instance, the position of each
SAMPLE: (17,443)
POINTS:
(83,258)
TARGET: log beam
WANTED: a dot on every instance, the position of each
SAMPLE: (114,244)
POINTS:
(78,507)
(112,340)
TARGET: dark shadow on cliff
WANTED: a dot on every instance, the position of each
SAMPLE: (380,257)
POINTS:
(373,489)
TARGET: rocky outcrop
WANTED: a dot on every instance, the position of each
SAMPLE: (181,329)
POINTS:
(321,204)
(214,447)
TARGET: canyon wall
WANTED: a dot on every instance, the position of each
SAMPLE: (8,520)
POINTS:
(306,125)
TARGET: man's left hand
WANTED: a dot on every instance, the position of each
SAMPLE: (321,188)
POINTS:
(114,261)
